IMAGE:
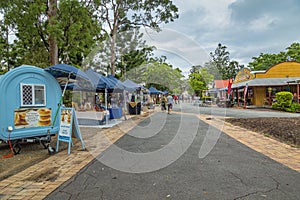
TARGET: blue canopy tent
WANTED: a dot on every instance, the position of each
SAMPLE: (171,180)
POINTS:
(153,90)
(99,82)
(118,84)
(104,84)
(64,74)
(75,87)
(132,85)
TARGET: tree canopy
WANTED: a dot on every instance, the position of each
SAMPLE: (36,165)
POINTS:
(221,66)
(119,16)
(37,26)
(199,79)
(265,61)
(158,74)
(51,31)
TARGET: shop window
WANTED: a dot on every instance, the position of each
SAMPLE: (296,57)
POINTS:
(33,95)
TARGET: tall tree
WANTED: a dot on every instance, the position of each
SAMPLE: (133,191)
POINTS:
(122,15)
(45,30)
(221,66)
(293,52)
(53,48)
(199,80)
(130,49)
(220,59)
(212,69)
(232,69)
(161,75)
(265,61)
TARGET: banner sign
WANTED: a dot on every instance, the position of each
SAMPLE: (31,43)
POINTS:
(68,121)
(32,117)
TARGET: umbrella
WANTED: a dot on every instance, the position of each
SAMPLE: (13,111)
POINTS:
(66,73)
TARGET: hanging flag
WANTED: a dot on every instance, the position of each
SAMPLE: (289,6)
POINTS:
(229,86)
(245,90)
(245,94)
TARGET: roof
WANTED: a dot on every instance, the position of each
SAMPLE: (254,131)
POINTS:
(220,84)
(267,82)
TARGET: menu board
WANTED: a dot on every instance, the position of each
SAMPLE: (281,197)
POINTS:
(68,127)
(65,129)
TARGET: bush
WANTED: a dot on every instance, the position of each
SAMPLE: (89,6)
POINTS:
(284,102)
(295,107)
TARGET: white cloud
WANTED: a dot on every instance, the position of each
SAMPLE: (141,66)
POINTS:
(246,27)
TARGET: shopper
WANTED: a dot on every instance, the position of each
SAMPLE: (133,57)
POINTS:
(170,103)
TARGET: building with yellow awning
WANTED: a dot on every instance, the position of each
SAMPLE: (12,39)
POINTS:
(261,86)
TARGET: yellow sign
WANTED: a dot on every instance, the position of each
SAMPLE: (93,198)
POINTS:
(243,75)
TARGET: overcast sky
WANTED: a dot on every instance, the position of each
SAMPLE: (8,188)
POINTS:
(246,27)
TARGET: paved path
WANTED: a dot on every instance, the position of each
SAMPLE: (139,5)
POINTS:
(230,170)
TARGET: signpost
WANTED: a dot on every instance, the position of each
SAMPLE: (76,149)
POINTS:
(68,125)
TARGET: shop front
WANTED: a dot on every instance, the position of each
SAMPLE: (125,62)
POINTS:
(258,88)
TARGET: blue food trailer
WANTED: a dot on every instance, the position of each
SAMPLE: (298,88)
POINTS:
(29,103)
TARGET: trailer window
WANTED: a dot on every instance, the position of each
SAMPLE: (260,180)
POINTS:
(33,95)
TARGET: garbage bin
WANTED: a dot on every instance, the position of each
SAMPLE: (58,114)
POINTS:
(134,108)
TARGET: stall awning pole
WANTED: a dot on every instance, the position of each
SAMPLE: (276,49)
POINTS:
(297,90)
(125,104)
(105,97)
(61,100)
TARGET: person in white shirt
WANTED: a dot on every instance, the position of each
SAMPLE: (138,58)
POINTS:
(170,103)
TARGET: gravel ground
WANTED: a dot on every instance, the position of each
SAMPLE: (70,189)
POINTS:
(284,129)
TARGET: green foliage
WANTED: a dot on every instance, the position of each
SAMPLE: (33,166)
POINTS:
(75,29)
(284,102)
(199,80)
(265,61)
(293,52)
(120,16)
(295,107)
(220,60)
(160,75)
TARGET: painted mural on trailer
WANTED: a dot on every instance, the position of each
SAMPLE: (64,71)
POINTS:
(32,117)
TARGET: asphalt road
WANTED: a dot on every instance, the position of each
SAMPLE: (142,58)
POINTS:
(161,159)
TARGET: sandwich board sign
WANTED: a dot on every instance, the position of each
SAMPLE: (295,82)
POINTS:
(68,127)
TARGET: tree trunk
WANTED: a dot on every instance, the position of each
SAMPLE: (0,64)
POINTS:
(113,54)
(53,48)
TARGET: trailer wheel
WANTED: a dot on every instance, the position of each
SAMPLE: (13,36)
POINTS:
(51,150)
(16,148)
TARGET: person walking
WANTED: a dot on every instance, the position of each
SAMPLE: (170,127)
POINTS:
(170,103)
(163,103)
